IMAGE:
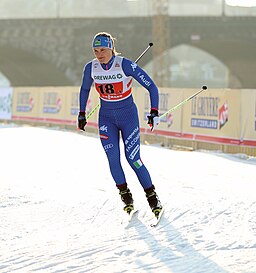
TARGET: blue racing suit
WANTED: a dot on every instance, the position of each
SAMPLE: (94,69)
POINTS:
(118,113)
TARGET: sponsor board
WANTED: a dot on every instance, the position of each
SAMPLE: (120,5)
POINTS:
(6,102)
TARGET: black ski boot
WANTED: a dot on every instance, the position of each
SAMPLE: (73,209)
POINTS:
(126,197)
(153,200)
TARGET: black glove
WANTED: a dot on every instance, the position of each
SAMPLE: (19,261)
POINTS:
(81,121)
(153,119)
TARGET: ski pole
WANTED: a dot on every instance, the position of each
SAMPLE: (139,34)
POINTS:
(142,54)
(182,102)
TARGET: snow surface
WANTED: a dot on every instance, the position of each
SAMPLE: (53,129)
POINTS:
(61,212)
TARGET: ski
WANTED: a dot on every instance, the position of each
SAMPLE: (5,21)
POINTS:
(131,214)
(157,218)
(129,217)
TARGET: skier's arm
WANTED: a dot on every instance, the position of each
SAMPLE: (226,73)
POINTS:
(85,86)
(84,94)
(132,69)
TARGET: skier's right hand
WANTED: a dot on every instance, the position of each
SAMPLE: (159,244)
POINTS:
(82,121)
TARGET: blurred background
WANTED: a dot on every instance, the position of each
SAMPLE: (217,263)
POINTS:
(47,43)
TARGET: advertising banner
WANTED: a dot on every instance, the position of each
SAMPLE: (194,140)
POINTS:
(213,113)
(72,97)
(26,103)
(69,97)
(248,115)
(171,122)
(52,104)
(6,102)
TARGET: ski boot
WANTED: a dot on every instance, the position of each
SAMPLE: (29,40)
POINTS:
(153,201)
(126,197)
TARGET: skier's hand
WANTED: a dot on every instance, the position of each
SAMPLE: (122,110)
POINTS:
(82,121)
(153,119)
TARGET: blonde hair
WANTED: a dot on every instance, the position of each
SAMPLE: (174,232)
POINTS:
(106,34)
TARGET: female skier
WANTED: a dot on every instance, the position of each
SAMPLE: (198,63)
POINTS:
(112,76)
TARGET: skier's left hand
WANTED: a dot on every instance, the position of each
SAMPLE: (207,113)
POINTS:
(153,119)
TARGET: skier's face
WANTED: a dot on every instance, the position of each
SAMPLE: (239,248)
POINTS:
(103,54)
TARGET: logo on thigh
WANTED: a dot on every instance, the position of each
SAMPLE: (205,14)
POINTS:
(138,163)
(134,152)
(104,128)
(108,146)
(104,137)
